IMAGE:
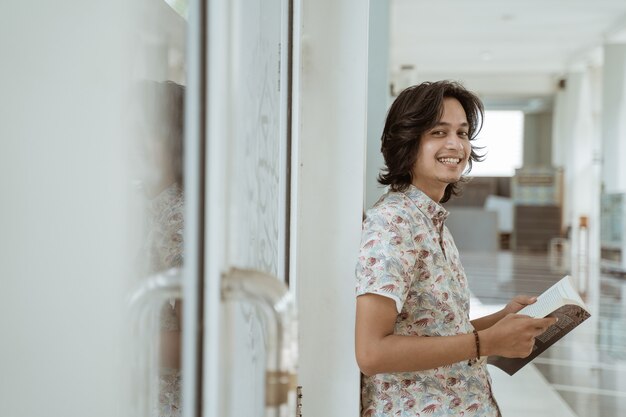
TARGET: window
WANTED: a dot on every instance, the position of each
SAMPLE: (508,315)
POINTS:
(502,139)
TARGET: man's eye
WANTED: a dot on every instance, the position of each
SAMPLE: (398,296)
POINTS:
(439,133)
(464,134)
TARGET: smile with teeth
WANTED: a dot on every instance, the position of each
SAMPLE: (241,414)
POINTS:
(449,161)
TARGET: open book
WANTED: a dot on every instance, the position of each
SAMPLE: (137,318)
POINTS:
(560,300)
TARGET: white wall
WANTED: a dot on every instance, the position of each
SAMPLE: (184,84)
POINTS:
(63,219)
(328,171)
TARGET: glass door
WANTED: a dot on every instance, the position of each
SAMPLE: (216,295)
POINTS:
(157,110)
(249,350)
(215,322)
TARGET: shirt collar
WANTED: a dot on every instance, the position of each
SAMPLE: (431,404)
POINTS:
(426,205)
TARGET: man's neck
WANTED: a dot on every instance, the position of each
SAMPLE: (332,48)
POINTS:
(434,191)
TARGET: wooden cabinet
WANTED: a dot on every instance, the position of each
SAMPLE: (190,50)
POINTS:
(534,226)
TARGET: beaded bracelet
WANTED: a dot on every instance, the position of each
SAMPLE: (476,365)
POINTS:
(477,340)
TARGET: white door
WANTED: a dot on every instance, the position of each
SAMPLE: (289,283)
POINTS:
(238,153)
(249,164)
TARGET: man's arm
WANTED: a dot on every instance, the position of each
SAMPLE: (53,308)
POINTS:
(515,305)
(379,350)
(488,321)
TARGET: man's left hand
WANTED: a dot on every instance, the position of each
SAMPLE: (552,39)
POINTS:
(517,303)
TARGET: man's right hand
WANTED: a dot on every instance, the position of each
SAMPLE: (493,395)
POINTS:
(513,336)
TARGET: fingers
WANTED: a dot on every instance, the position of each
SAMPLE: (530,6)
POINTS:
(536,322)
(524,299)
(517,333)
(545,322)
(536,326)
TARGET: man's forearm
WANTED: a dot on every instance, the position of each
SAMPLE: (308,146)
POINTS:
(488,321)
(395,353)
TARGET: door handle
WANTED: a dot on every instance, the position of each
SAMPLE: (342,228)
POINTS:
(145,304)
(156,288)
(276,308)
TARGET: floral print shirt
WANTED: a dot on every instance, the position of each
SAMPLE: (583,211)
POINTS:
(408,255)
(164,250)
(165,230)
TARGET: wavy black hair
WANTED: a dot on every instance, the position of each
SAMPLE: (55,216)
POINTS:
(415,111)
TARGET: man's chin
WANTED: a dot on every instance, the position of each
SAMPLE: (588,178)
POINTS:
(450,180)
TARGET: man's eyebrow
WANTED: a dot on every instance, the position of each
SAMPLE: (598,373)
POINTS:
(464,124)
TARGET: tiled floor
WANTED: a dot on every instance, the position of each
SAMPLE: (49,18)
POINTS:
(587,368)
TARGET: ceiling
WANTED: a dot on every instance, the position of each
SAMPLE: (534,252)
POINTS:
(501,48)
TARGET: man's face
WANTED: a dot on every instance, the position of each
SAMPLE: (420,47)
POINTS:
(443,151)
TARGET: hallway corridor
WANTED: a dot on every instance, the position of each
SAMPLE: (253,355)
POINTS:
(588,367)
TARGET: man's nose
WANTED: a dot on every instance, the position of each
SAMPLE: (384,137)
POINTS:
(454,142)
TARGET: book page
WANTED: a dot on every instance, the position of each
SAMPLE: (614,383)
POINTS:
(545,304)
(554,297)
(567,287)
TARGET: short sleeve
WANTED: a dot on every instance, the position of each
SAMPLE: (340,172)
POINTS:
(387,256)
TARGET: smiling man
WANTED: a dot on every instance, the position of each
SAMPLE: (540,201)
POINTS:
(415,344)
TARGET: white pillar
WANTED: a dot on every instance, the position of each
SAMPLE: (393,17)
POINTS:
(330,96)
(377,96)
(558,135)
(614,118)
(576,147)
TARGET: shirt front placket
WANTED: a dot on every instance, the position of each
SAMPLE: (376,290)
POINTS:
(436,213)
(438,221)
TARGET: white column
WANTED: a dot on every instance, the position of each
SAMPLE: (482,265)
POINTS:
(595,172)
(614,118)
(377,96)
(330,99)
(576,147)
(558,135)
